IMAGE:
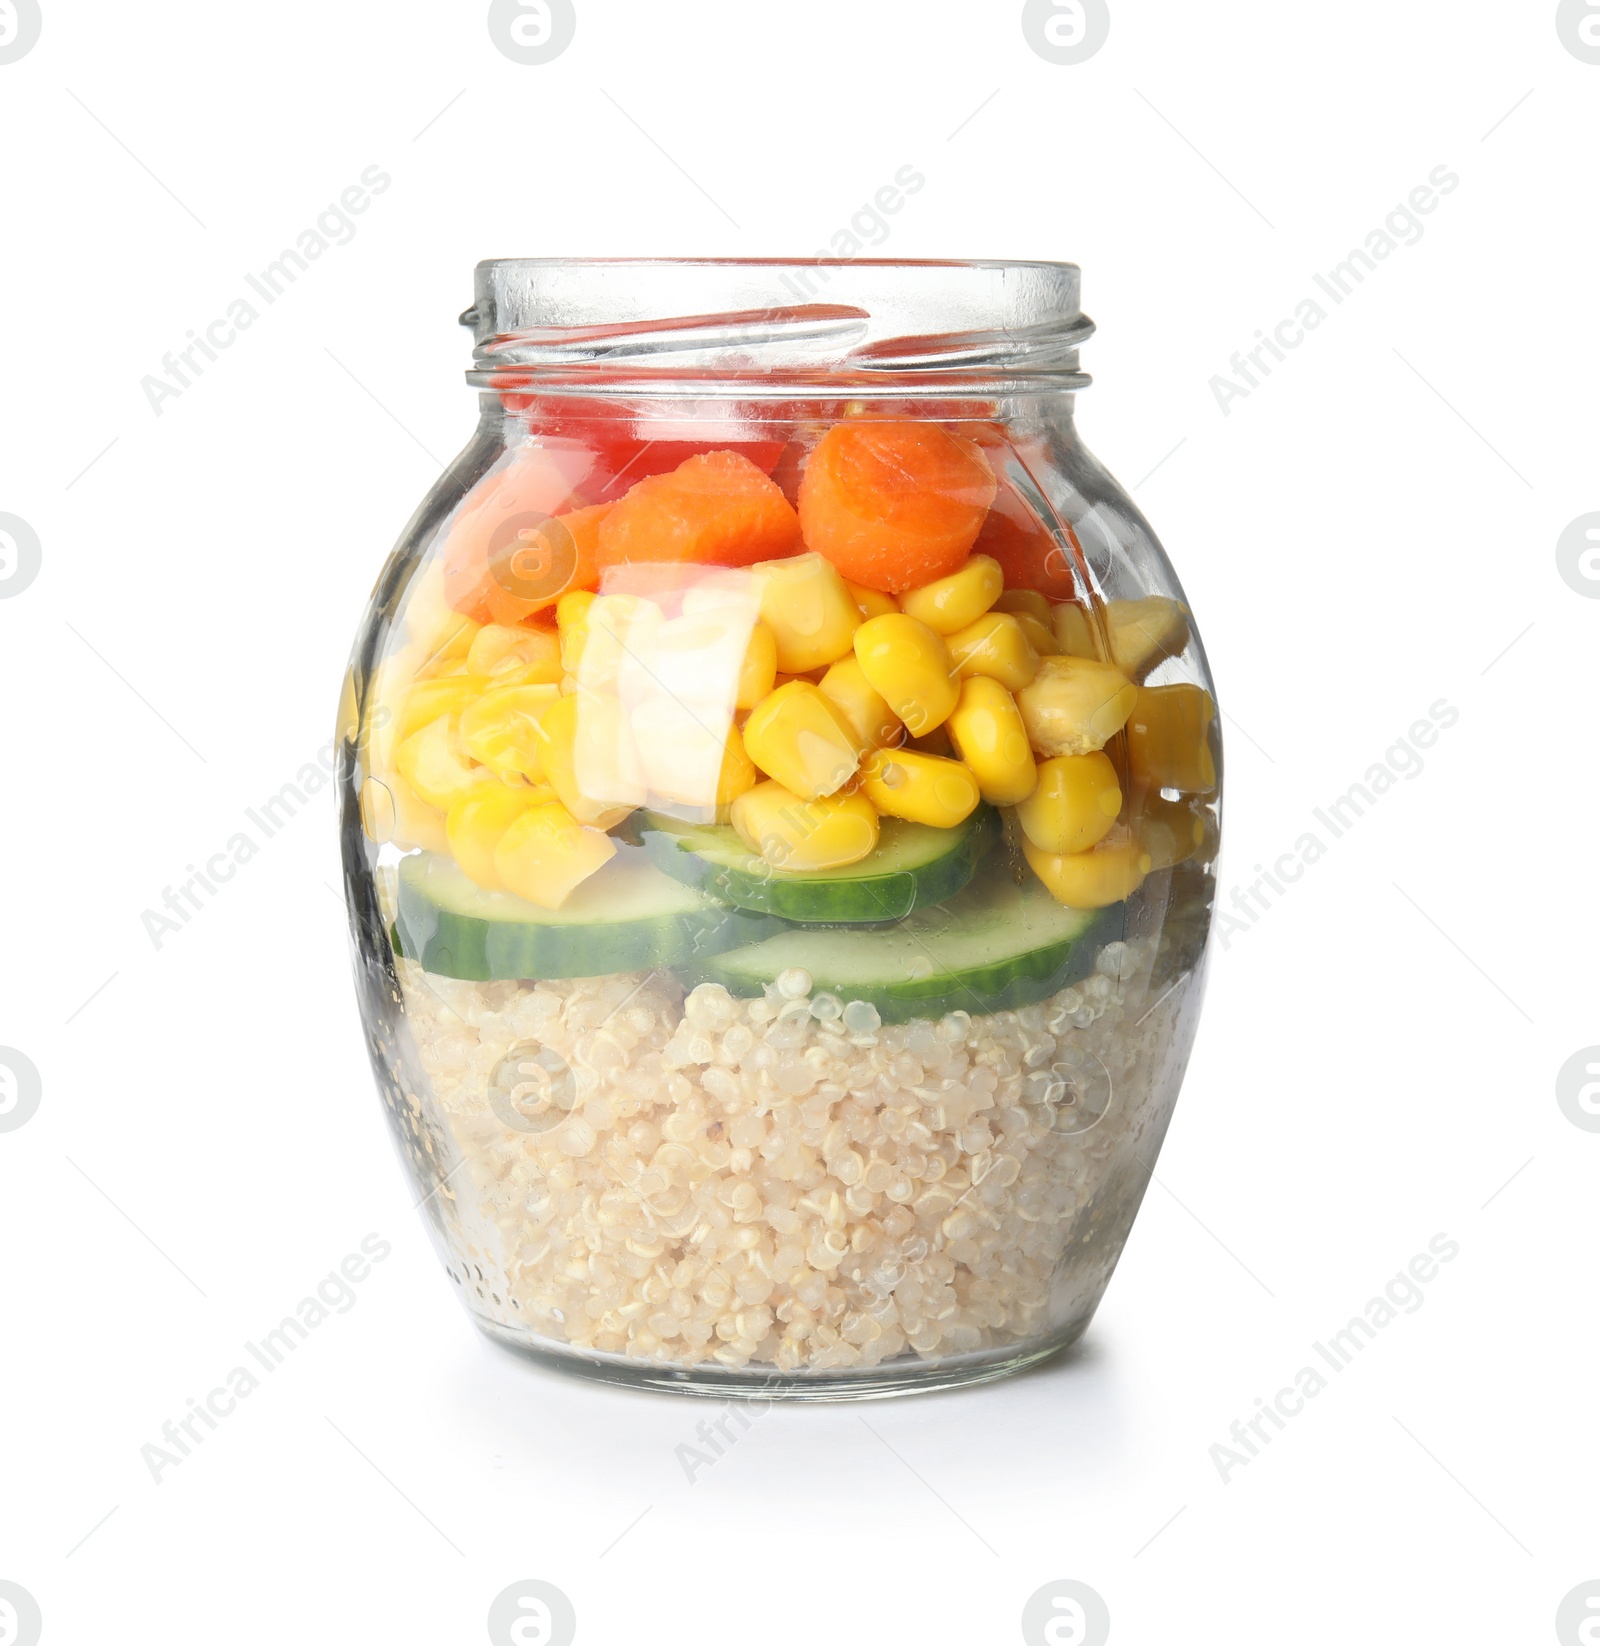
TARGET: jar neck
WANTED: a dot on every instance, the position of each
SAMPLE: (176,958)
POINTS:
(711,411)
(734,329)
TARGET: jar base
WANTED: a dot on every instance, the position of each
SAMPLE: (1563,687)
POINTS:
(904,1375)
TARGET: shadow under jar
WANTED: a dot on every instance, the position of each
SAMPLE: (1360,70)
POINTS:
(779,795)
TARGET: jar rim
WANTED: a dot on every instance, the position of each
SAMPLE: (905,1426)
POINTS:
(765,326)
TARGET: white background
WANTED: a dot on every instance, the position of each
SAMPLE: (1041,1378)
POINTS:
(1362,536)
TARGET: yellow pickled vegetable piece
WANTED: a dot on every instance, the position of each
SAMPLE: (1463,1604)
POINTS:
(792,832)
(428,699)
(1025,600)
(1075,705)
(987,731)
(587,754)
(871,602)
(758,672)
(1040,635)
(922,788)
(1169,739)
(1093,879)
(1073,632)
(535,654)
(1171,831)
(392,811)
(995,646)
(545,853)
(1074,805)
(951,603)
(871,720)
(477,818)
(1141,633)
(498,730)
(572,626)
(799,736)
(909,667)
(811,613)
(434,764)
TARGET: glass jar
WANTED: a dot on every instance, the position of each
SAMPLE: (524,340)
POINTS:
(779,793)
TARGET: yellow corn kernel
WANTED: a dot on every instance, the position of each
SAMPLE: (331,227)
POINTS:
(1145,633)
(1025,600)
(758,672)
(738,774)
(572,626)
(997,647)
(545,853)
(991,741)
(1074,805)
(534,654)
(800,737)
(870,719)
(1171,831)
(922,788)
(951,603)
(477,818)
(434,764)
(909,667)
(428,699)
(392,683)
(436,631)
(347,718)
(871,602)
(1094,879)
(1139,633)
(1075,705)
(792,832)
(587,754)
(811,613)
(392,811)
(1169,739)
(1040,635)
(498,730)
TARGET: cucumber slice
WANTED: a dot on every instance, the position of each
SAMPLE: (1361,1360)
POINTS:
(994,947)
(627,917)
(911,866)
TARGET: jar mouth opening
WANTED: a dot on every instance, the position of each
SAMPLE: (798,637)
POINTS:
(769,327)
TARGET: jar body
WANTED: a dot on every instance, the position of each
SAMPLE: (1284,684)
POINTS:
(698,1088)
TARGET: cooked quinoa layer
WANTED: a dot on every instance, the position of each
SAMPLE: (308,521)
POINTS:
(783,1182)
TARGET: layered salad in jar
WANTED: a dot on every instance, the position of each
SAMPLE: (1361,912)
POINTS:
(795,876)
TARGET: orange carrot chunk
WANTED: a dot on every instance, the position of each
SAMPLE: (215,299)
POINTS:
(716,509)
(894,505)
(522,567)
